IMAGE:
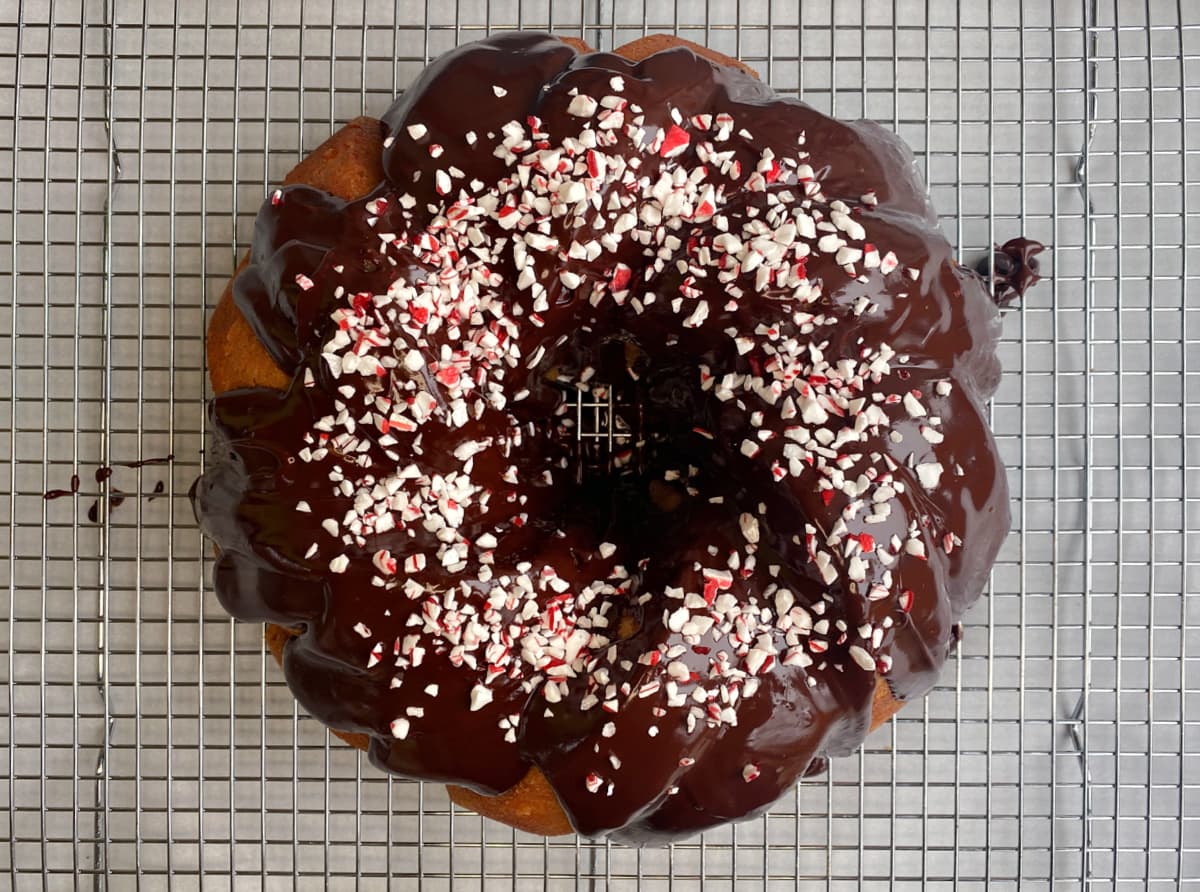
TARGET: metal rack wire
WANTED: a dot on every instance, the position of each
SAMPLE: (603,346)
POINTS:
(149,739)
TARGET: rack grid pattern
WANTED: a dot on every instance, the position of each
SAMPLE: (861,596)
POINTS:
(146,738)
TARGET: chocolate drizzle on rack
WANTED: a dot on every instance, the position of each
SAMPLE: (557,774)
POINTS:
(116,497)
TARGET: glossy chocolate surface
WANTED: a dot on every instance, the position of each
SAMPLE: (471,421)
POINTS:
(708,488)
(1014,269)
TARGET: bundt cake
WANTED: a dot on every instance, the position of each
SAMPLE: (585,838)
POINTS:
(779,560)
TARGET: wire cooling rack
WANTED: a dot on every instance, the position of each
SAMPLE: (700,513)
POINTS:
(149,739)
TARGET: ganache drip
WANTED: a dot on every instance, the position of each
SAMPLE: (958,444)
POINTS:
(1014,269)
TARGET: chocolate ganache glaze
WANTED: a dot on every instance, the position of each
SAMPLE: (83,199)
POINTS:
(817,499)
(1014,269)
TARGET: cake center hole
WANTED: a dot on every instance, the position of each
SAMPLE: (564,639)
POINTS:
(606,431)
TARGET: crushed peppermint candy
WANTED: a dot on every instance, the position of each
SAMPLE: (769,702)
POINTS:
(605,214)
